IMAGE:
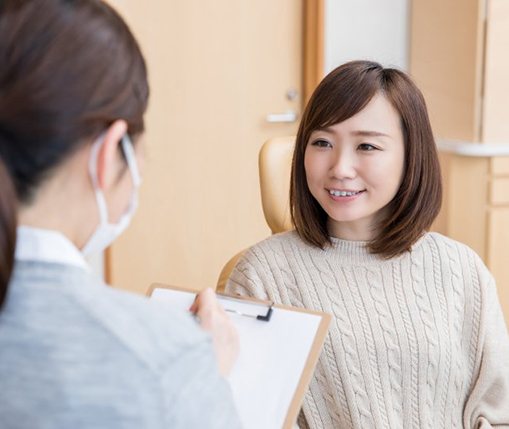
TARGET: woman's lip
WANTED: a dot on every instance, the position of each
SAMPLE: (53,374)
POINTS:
(344,190)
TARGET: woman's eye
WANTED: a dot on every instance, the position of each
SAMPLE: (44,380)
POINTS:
(321,143)
(367,147)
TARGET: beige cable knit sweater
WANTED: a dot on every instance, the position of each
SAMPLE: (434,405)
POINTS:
(418,341)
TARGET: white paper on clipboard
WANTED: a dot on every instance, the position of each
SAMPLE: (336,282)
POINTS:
(276,357)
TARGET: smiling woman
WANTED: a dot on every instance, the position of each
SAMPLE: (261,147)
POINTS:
(418,332)
(364,101)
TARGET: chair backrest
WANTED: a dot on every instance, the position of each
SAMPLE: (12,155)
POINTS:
(274,164)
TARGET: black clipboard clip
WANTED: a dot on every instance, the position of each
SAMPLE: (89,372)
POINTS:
(264,317)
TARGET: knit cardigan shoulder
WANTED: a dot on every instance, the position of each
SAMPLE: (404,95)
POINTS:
(417,341)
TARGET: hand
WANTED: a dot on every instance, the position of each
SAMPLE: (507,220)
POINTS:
(214,320)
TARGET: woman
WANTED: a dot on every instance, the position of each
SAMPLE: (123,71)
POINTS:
(418,339)
(75,353)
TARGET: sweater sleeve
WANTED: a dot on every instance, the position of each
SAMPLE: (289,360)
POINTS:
(246,278)
(488,402)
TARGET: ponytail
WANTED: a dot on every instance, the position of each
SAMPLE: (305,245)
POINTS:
(8,209)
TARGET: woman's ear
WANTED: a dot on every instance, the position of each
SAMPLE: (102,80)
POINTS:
(108,159)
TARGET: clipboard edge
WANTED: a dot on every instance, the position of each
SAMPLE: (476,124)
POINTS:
(309,367)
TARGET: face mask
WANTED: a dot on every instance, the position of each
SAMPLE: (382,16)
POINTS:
(107,232)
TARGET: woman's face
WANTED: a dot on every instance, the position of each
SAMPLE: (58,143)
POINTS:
(354,168)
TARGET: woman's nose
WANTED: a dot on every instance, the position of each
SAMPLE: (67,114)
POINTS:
(343,166)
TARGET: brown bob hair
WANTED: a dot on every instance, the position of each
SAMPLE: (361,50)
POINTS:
(343,93)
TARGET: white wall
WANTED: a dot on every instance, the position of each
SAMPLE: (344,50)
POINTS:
(367,29)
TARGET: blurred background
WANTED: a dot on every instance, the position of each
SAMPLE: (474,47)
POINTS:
(226,75)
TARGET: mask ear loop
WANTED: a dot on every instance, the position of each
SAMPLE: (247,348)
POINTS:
(130,156)
(92,167)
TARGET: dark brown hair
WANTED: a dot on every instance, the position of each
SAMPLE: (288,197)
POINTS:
(69,68)
(343,93)
(7,229)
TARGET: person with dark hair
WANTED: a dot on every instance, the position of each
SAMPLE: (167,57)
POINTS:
(418,337)
(74,352)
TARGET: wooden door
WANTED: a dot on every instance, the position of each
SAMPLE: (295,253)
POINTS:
(217,69)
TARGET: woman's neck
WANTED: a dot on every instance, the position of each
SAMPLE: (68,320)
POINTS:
(63,203)
(358,230)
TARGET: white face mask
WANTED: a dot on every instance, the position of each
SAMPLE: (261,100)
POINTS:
(107,232)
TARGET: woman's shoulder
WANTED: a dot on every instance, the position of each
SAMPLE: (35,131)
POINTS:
(453,252)
(440,241)
(128,324)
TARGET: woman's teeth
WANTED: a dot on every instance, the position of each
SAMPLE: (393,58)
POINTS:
(343,193)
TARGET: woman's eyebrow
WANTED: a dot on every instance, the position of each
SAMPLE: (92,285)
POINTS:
(327,130)
(366,133)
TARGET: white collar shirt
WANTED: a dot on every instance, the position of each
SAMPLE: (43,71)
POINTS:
(44,245)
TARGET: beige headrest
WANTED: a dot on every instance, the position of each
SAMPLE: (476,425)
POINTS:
(275,163)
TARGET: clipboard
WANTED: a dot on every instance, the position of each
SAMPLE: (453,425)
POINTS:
(279,348)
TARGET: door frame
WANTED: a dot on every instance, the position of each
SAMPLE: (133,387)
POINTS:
(313,45)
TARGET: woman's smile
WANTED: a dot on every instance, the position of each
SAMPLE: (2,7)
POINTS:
(342,195)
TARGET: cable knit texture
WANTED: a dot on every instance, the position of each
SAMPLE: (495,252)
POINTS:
(418,341)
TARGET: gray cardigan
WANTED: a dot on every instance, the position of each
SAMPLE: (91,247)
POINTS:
(75,353)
